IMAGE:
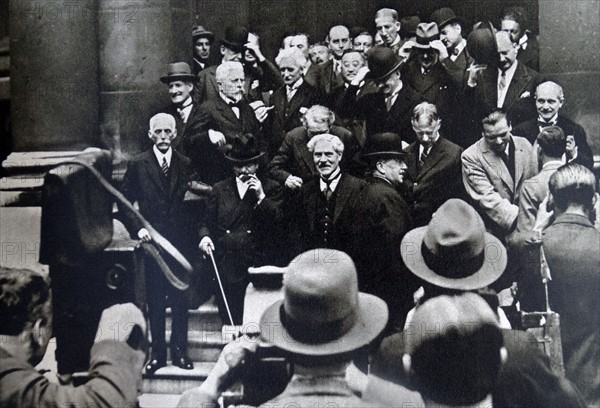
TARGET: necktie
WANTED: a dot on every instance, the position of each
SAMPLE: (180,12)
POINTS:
(502,83)
(181,113)
(234,104)
(455,51)
(422,159)
(290,92)
(165,167)
(543,124)
(328,191)
(389,102)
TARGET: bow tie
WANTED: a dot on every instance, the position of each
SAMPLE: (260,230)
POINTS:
(234,104)
(455,51)
(544,124)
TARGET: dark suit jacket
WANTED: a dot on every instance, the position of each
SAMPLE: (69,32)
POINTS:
(302,211)
(525,380)
(160,199)
(382,219)
(219,116)
(530,56)
(329,79)
(206,88)
(240,229)
(293,157)
(286,115)
(371,107)
(585,157)
(518,104)
(572,248)
(457,69)
(262,78)
(439,180)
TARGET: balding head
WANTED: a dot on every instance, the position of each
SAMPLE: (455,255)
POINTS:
(339,40)
(507,50)
(549,99)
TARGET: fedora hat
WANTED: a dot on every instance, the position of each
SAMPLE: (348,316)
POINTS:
(408,26)
(454,250)
(235,38)
(179,71)
(322,312)
(383,145)
(199,32)
(382,62)
(444,16)
(426,33)
(244,150)
(482,46)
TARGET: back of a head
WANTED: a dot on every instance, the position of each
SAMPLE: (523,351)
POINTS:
(552,141)
(24,298)
(455,347)
(572,184)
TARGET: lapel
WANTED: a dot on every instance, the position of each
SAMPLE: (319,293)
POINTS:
(236,206)
(304,152)
(435,155)
(411,160)
(425,82)
(521,159)
(516,86)
(489,86)
(175,173)
(280,103)
(343,195)
(183,126)
(226,112)
(154,171)
(496,165)
(299,98)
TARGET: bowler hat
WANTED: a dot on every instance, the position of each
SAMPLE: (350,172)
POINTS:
(382,62)
(444,16)
(199,32)
(244,150)
(383,145)
(426,33)
(179,71)
(408,26)
(454,250)
(235,38)
(481,45)
(322,312)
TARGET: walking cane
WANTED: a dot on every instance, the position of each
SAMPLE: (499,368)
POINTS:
(212,258)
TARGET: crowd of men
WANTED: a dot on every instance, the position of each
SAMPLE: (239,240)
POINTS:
(435,167)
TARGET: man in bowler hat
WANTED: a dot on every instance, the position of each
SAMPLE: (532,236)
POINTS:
(157,179)
(239,218)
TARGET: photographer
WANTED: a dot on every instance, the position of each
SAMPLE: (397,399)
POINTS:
(319,325)
(26,328)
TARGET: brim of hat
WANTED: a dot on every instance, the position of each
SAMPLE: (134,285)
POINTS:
(449,21)
(422,46)
(233,46)
(381,154)
(248,160)
(387,74)
(493,265)
(370,322)
(207,34)
(183,77)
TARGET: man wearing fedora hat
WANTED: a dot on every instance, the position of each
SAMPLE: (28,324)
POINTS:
(186,110)
(433,173)
(427,76)
(452,255)
(321,323)
(382,219)
(239,217)
(157,179)
(388,109)
(202,40)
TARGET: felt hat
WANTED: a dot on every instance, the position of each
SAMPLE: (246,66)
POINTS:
(322,312)
(444,16)
(199,32)
(408,26)
(179,71)
(235,38)
(454,250)
(244,150)
(383,145)
(382,62)
(426,33)
(482,46)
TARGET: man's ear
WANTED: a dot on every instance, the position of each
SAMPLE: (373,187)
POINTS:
(406,363)
(379,166)
(174,134)
(150,134)
(40,332)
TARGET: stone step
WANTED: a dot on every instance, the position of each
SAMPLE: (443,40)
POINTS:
(203,346)
(174,380)
(158,400)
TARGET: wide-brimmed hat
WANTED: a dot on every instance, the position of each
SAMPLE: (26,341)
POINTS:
(179,71)
(408,26)
(482,46)
(426,33)
(199,32)
(382,62)
(444,16)
(244,150)
(383,145)
(322,312)
(235,38)
(454,250)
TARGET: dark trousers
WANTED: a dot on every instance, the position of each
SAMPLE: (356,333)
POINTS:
(160,296)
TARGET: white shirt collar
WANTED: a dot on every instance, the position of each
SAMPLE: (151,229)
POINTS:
(553,120)
(159,155)
(460,47)
(185,109)
(242,187)
(296,84)
(336,176)
(523,41)
(421,147)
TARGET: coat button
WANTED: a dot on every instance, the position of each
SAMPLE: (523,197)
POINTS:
(228,232)
(249,232)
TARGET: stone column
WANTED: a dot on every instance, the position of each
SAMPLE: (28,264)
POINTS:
(137,39)
(53,74)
